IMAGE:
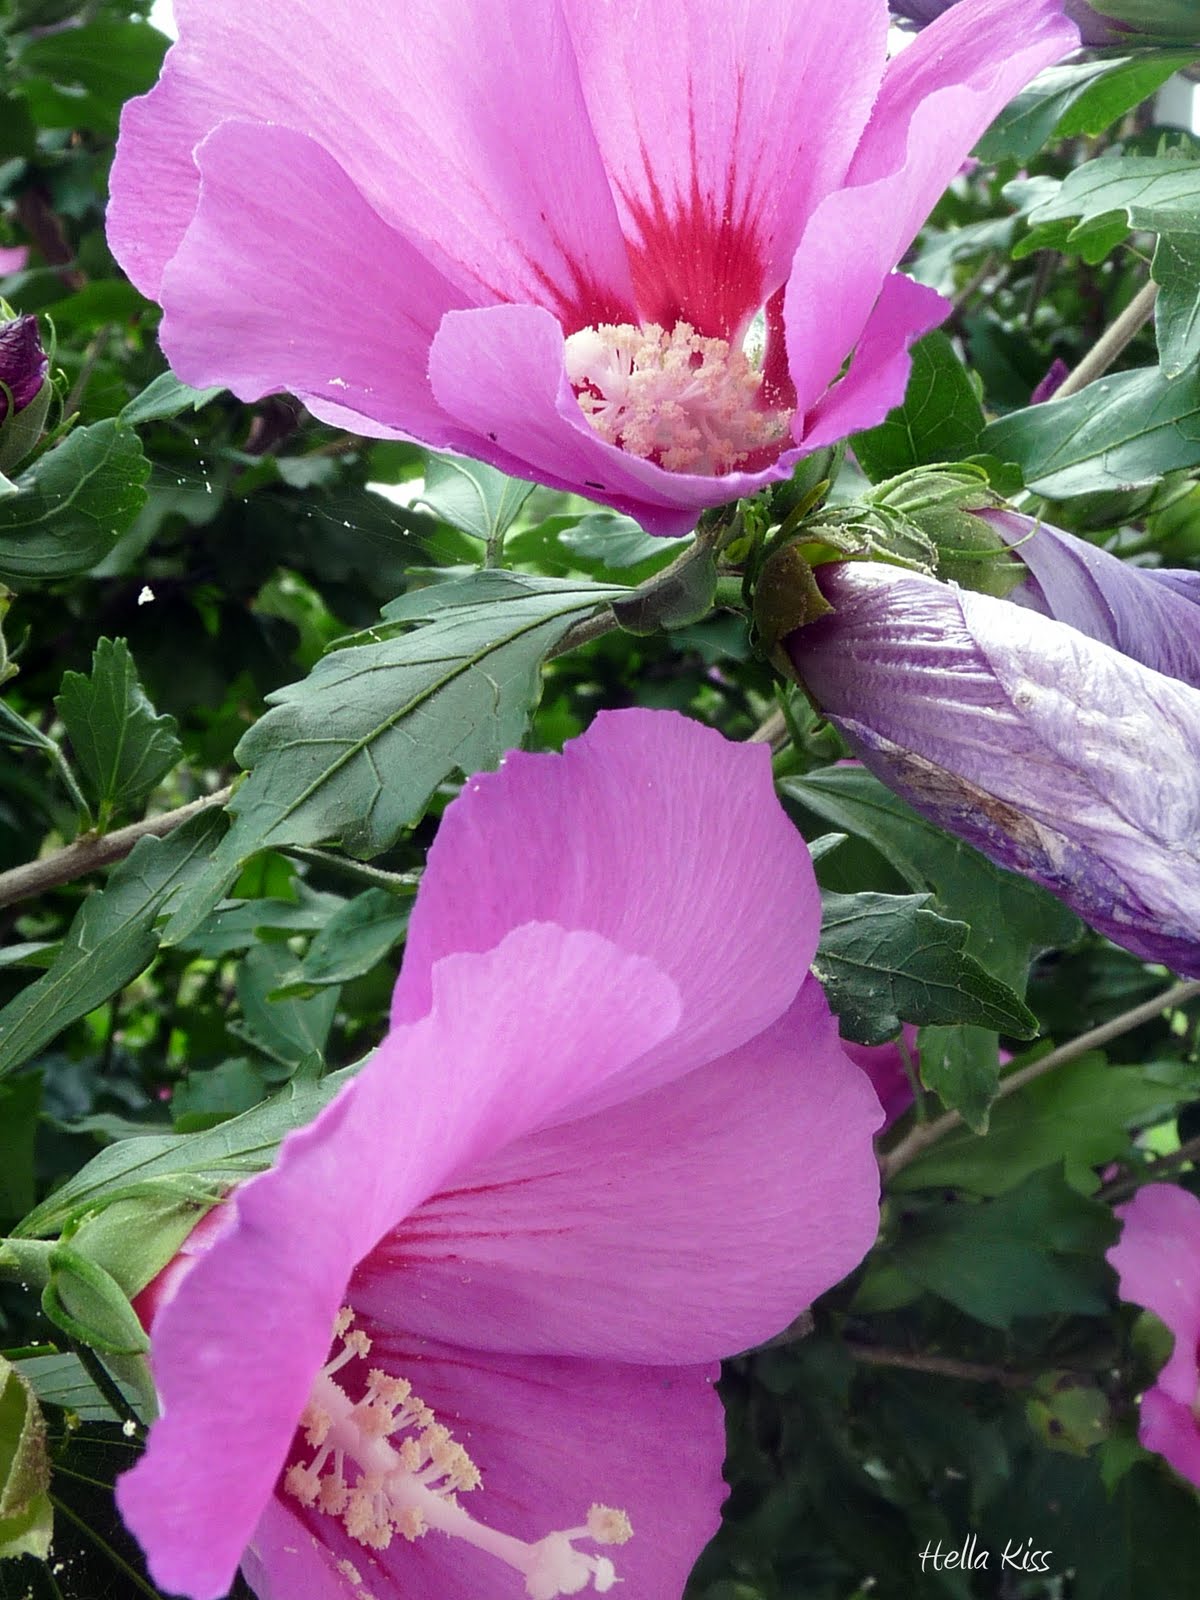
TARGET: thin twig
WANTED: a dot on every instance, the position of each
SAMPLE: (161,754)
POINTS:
(108,1387)
(398,883)
(771,730)
(1111,342)
(93,851)
(976,281)
(872,1355)
(919,1139)
(605,620)
(1119,1188)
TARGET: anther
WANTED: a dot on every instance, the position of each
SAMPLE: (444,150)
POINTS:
(411,1485)
(684,401)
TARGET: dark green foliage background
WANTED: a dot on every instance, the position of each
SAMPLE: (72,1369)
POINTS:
(976,1376)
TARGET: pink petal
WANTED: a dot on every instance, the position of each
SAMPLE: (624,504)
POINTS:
(884,1065)
(1157,1259)
(653,830)
(284,1561)
(1171,1430)
(721,128)
(500,372)
(287,278)
(550,1438)
(937,98)
(878,374)
(461,123)
(514,1036)
(13,259)
(694,1221)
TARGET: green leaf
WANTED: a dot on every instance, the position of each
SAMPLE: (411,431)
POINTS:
(355,751)
(1086,97)
(1035,1251)
(174,1167)
(962,1067)
(73,504)
(237,924)
(1176,270)
(15,729)
(20,1107)
(26,1517)
(1079,1114)
(940,418)
(607,542)
(1010,918)
(213,1094)
(110,941)
(1121,432)
(1157,19)
(352,943)
(471,497)
(289,1029)
(80,77)
(61,1379)
(1158,194)
(123,746)
(166,397)
(886,959)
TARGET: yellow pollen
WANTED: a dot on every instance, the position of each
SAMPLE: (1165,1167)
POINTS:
(608,1526)
(300,1482)
(376,1422)
(392,1391)
(684,401)
(316,1424)
(342,1321)
(410,1523)
(333,1495)
(405,1473)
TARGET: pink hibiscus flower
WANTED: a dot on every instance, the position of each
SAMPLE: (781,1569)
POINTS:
(610,1138)
(1158,1262)
(539,233)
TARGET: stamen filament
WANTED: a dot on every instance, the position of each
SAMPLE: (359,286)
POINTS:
(412,1486)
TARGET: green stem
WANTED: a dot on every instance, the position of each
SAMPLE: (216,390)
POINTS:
(108,1387)
(918,1140)
(398,883)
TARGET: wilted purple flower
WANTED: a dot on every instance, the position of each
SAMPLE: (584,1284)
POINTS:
(1096,25)
(540,232)
(1053,753)
(1158,1261)
(23,363)
(1149,615)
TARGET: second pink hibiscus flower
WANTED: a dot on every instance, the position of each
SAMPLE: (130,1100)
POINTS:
(539,233)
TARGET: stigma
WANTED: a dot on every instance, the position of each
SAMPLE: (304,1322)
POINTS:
(384,1466)
(679,399)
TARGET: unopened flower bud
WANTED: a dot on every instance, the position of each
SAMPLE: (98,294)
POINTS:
(25,389)
(1102,22)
